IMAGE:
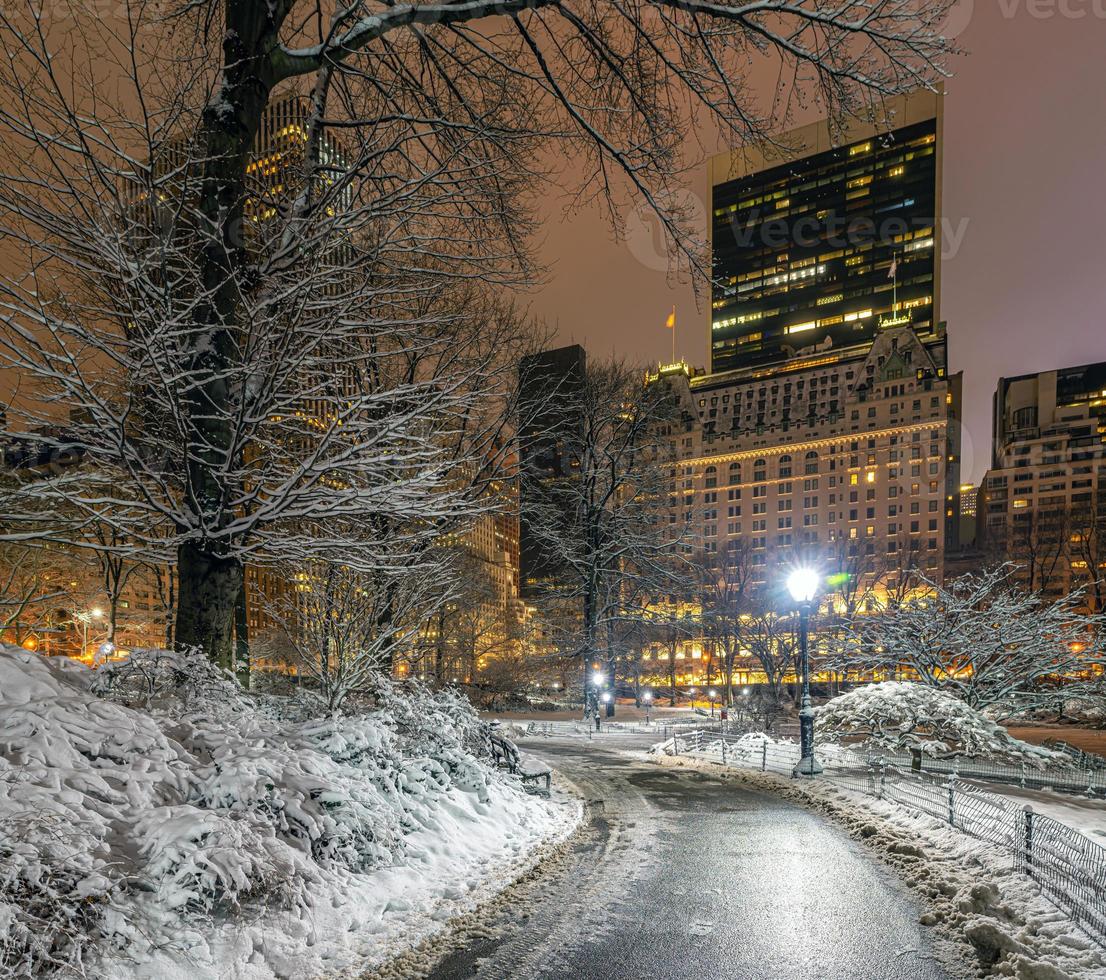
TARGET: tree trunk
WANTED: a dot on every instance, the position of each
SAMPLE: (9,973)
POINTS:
(168,596)
(208,588)
(611,668)
(210,581)
(242,636)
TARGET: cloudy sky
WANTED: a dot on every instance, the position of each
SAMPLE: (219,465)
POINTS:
(1025,183)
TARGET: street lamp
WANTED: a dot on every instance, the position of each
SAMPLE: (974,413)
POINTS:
(647,697)
(712,694)
(598,679)
(691,693)
(803,585)
(85,619)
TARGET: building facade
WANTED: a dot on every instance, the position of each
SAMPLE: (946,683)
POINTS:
(1043,502)
(866,483)
(548,384)
(827,431)
(826,235)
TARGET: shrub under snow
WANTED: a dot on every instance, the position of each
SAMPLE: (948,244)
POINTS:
(904,716)
(140,802)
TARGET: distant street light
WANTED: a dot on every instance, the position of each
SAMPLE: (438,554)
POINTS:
(803,585)
(647,697)
(691,694)
(712,694)
(85,619)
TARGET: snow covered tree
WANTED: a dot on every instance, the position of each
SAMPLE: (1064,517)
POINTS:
(235,221)
(771,639)
(29,582)
(985,640)
(597,524)
(911,717)
(724,594)
(345,627)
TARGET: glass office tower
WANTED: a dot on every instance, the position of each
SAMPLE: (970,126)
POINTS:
(820,247)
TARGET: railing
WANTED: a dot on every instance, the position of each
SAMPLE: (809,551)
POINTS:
(1069,867)
(661,731)
(1082,780)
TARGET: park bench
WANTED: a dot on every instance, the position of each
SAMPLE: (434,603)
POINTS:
(505,754)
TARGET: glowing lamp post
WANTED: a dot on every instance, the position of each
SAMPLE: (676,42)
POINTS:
(712,694)
(85,619)
(598,679)
(647,700)
(803,585)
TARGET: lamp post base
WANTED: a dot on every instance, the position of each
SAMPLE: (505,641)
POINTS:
(807,766)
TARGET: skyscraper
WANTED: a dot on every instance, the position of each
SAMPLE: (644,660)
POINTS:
(549,383)
(827,430)
(823,238)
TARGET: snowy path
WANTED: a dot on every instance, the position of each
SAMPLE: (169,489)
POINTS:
(682,874)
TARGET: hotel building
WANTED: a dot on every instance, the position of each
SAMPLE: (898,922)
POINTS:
(827,430)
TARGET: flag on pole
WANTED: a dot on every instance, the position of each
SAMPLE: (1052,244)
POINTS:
(671,321)
(893,272)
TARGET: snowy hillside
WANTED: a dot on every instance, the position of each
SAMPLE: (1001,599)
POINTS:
(154,821)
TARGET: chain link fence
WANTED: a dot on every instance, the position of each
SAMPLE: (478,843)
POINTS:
(1068,866)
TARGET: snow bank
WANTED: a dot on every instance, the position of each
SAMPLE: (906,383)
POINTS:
(993,916)
(905,716)
(155,821)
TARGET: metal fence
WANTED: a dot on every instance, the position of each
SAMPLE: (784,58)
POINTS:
(1083,780)
(587,729)
(1069,867)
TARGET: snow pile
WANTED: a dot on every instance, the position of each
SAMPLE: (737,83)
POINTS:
(904,716)
(992,917)
(151,828)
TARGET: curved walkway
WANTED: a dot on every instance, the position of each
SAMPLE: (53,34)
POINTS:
(683,875)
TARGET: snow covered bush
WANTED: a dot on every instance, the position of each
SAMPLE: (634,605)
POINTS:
(904,716)
(148,795)
(169,681)
(52,881)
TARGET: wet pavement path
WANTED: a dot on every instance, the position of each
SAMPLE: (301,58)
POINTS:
(681,874)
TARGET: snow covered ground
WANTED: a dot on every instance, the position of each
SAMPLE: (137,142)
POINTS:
(156,823)
(973,894)
(359,921)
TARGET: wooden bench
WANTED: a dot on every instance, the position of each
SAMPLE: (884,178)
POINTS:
(505,754)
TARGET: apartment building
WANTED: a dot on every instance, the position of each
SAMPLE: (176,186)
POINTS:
(1043,502)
